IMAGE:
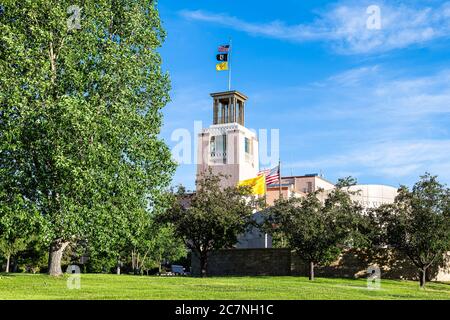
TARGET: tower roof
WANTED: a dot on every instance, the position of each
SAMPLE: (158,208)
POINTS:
(229,93)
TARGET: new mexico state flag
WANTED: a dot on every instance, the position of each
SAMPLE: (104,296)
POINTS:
(258,184)
(222,66)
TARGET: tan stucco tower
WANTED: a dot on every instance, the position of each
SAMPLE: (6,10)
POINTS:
(227,146)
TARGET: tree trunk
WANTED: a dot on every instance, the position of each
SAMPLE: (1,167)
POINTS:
(118,269)
(311,271)
(423,278)
(8,258)
(133,261)
(203,264)
(55,255)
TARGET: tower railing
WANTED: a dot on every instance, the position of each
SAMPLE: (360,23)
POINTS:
(225,120)
(219,155)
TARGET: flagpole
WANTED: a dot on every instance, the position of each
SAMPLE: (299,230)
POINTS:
(265,193)
(265,207)
(229,67)
(279,177)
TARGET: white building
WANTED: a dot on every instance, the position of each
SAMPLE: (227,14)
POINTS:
(373,195)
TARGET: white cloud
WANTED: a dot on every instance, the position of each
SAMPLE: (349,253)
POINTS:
(355,76)
(343,26)
(374,90)
(390,158)
(275,29)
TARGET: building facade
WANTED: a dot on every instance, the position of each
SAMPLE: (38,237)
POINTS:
(371,196)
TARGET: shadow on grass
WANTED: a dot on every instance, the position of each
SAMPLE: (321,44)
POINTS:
(7,275)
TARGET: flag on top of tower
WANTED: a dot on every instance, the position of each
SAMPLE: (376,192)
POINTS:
(272,175)
(222,58)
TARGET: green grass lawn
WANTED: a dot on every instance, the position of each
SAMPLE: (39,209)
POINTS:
(102,286)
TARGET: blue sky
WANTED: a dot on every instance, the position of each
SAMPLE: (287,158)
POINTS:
(348,100)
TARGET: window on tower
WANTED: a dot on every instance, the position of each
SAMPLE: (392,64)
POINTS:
(218,147)
(213,146)
(248,146)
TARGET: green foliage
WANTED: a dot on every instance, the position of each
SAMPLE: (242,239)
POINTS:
(211,218)
(34,258)
(80,115)
(346,182)
(150,246)
(317,230)
(165,246)
(20,223)
(159,245)
(418,223)
(100,262)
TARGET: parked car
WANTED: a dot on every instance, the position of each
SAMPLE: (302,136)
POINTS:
(178,270)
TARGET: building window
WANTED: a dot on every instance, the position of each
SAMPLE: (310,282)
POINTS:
(224,145)
(310,187)
(218,147)
(248,147)
(213,146)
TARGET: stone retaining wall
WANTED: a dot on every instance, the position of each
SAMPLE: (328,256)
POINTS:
(284,262)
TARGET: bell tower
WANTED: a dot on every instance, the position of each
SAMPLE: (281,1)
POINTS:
(227,146)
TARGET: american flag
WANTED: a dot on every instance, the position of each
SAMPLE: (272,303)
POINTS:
(224,48)
(272,175)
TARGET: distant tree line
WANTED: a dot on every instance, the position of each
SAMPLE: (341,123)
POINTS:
(321,225)
(417,224)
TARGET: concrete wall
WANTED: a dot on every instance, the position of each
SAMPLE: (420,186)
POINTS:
(300,183)
(246,262)
(273,194)
(284,262)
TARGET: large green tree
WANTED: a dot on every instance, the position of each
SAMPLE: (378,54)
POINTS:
(319,226)
(418,223)
(212,217)
(80,114)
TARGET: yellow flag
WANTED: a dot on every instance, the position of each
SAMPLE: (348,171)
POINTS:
(258,184)
(222,66)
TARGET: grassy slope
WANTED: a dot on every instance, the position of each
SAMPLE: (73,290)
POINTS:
(96,286)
